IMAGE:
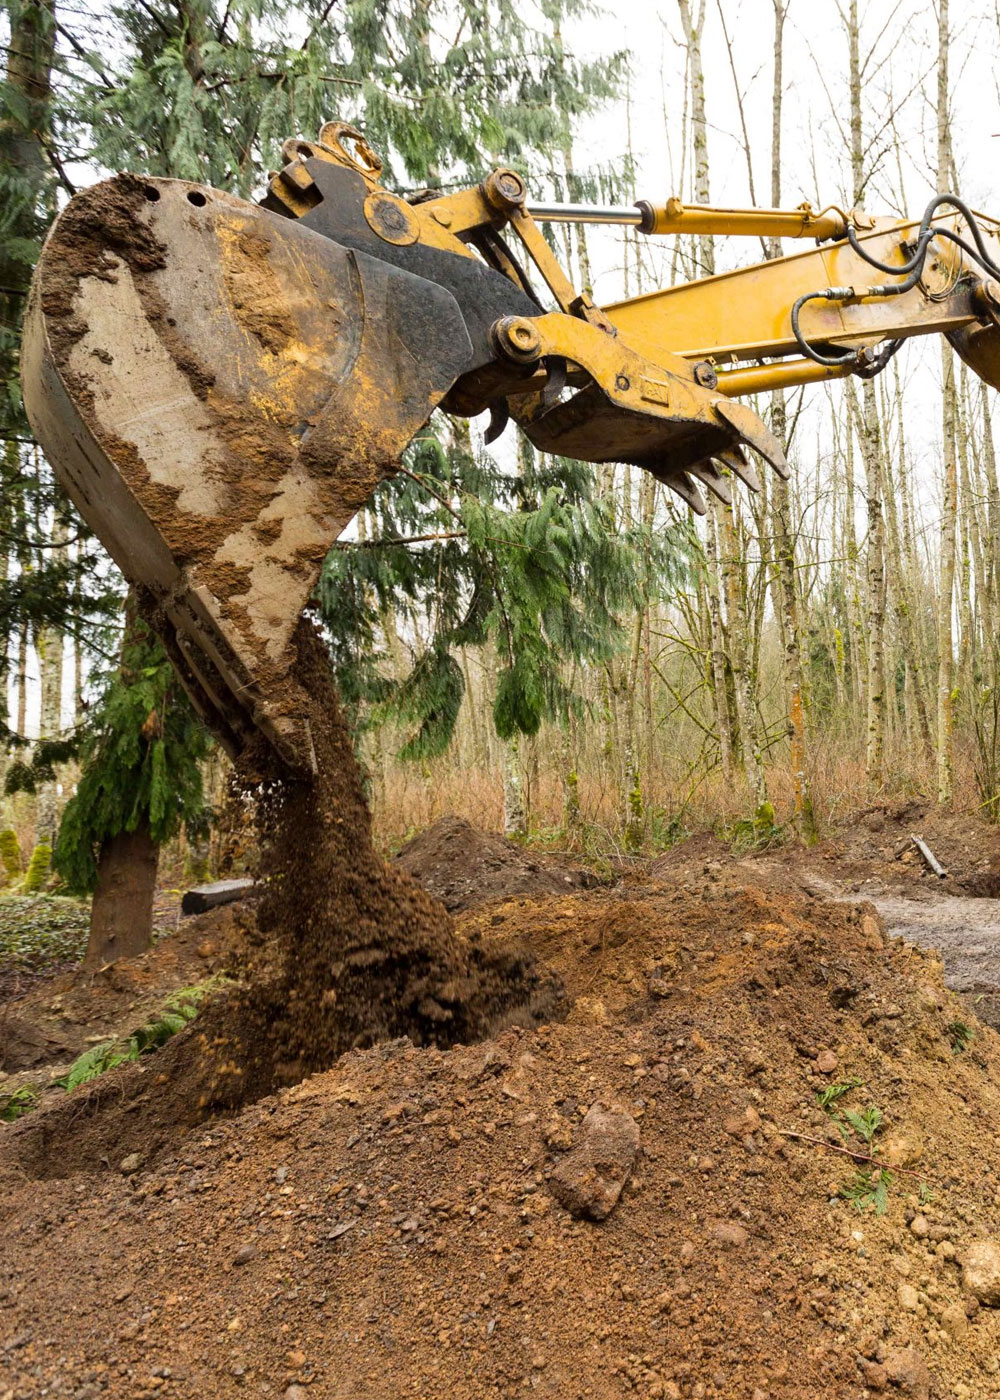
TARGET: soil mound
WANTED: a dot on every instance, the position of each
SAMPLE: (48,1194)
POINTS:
(66,1009)
(346,951)
(415,1221)
(463,866)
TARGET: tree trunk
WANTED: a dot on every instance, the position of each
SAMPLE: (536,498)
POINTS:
(693,25)
(720,685)
(49,646)
(121,917)
(949,513)
(515,822)
(783,538)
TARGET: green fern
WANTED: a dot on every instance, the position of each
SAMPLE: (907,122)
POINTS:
(868,1189)
(180,1008)
(93,1063)
(15,1103)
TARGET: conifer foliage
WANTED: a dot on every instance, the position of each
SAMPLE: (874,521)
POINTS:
(529,561)
(142,750)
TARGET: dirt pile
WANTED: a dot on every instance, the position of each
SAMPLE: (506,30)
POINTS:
(398,1225)
(463,866)
(345,951)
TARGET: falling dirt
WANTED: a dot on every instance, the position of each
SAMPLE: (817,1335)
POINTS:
(345,951)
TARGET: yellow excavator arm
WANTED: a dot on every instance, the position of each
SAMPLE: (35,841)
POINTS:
(220,385)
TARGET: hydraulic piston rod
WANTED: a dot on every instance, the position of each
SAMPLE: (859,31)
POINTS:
(677,217)
(629,215)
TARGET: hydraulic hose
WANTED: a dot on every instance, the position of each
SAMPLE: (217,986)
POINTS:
(911,272)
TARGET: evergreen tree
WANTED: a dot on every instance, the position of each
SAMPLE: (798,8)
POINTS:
(531,563)
(141,780)
(50,582)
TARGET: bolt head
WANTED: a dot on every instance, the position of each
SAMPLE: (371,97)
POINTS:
(518,338)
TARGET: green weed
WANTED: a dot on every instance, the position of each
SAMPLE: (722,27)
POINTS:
(869,1187)
(833,1092)
(16,1102)
(960,1036)
(41,932)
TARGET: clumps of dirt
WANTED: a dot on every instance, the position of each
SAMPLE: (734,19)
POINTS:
(419,1221)
(349,951)
(92,233)
(464,866)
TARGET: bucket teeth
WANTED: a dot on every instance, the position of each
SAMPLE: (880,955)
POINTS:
(499,418)
(751,430)
(684,487)
(735,460)
(709,475)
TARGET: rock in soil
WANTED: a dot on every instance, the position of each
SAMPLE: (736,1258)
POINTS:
(589,1179)
(981,1271)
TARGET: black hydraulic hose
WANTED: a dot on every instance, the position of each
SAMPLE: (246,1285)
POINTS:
(927,232)
(892,289)
(911,271)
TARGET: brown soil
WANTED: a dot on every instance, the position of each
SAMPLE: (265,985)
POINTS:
(386,1228)
(346,951)
(463,866)
(62,1015)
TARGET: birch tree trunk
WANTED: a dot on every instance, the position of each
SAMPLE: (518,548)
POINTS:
(49,646)
(867,426)
(782,536)
(949,504)
(515,823)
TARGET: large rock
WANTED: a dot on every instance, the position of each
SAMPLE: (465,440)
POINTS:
(981,1271)
(907,1369)
(589,1179)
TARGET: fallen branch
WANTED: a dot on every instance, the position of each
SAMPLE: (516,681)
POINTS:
(849,1152)
(931,860)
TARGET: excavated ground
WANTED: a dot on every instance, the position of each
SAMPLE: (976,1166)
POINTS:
(419,1220)
(396,1225)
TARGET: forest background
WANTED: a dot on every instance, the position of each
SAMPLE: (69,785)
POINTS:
(558,649)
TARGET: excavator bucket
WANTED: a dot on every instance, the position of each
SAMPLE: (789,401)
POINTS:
(219,389)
